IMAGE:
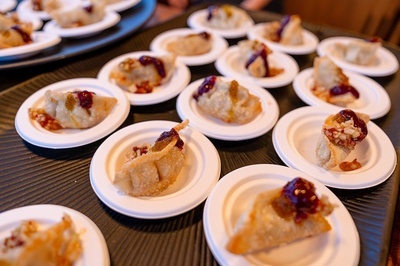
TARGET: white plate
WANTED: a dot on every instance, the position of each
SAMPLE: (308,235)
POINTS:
(197,19)
(373,100)
(95,251)
(194,183)
(7,5)
(169,90)
(229,199)
(295,138)
(309,45)
(219,45)
(110,19)
(230,64)
(387,62)
(41,40)
(25,7)
(33,133)
(122,5)
(216,128)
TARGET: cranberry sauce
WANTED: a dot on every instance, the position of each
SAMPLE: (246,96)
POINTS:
(85,99)
(284,22)
(301,194)
(88,8)
(343,89)
(25,36)
(348,114)
(210,11)
(167,135)
(205,35)
(158,64)
(205,87)
(141,150)
(263,54)
(375,39)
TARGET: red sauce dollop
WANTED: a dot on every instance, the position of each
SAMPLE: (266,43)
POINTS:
(85,99)
(205,87)
(284,22)
(348,114)
(263,54)
(171,134)
(25,36)
(343,89)
(158,64)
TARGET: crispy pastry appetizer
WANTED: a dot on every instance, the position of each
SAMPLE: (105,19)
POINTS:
(225,16)
(14,32)
(280,216)
(288,31)
(255,55)
(192,44)
(28,245)
(227,100)
(143,74)
(149,170)
(331,84)
(359,52)
(77,109)
(340,134)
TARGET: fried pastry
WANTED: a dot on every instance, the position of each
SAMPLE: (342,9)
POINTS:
(141,75)
(331,84)
(288,31)
(192,44)
(340,134)
(45,5)
(225,16)
(255,55)
(227,100)
(149,170)
(280,216)
(359,52)
(60,244)
(14,32)
(77,109)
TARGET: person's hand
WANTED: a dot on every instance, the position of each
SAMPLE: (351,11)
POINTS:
(182,4)
(254,4)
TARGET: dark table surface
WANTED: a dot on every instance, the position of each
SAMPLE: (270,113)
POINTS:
(31,175)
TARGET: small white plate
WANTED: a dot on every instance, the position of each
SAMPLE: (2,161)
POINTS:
(230,64)
(373,100)
(95,251)
(41,40)
(219,45)
(215,128)
(110,19)
(295,138)
(387,63)
(309,45)
(7,5)
(195,181)
(197,19)
(169,90)
(229,199)
(122,5)
(32,132)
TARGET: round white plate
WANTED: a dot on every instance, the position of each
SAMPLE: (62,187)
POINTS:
(194,183)
(219,45)
(41,41)
(387,63)
(230,64)
(295,138)
(7,5)
(215,128)
(110,19)
(197,19)
(169,90)
(309,45)
(32,132)
(229,199)
(373,100)
(95,251)
(25,7)
(122,5)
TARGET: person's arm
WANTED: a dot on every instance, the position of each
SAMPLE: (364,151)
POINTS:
(254,4)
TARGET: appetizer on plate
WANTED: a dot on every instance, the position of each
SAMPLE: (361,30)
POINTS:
(227,100)
(141,75)
(191,44)
(14,32)
(28,244)
(357,51)
(331,84)
(340,134)
(45,5)
(76,109)
(280,216)
(288,31)
(149,170)
(225,17)
(255,55)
